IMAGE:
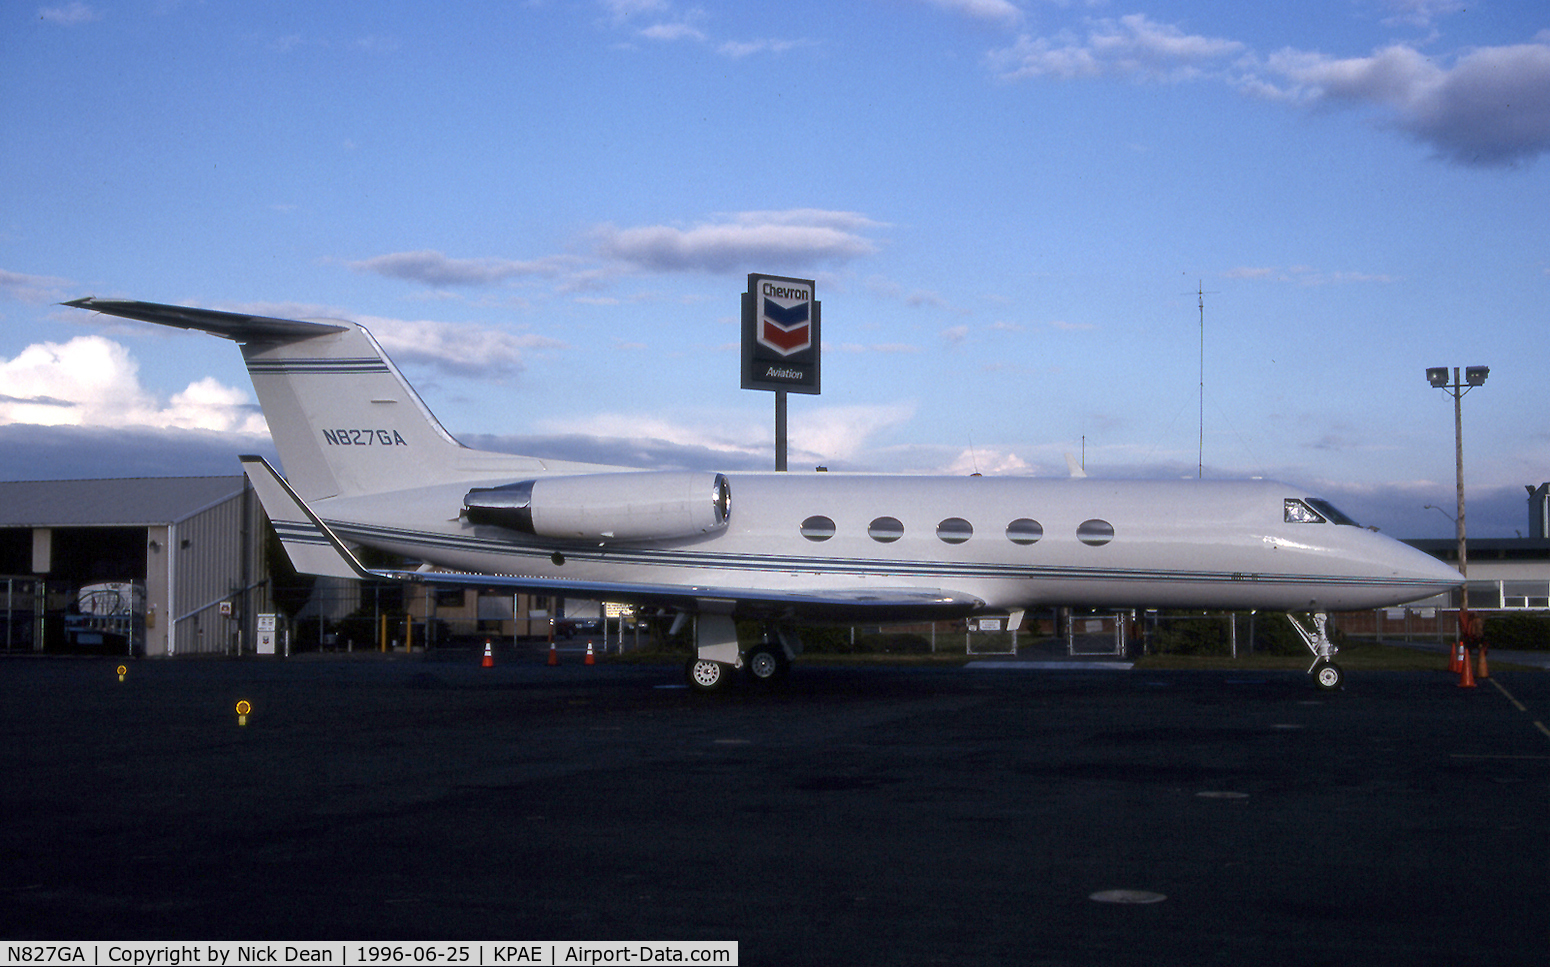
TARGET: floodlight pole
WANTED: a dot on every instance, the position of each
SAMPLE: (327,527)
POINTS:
(1458,482)
(1476,376)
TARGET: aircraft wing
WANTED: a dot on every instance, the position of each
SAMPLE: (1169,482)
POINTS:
(860,605)
(316,549)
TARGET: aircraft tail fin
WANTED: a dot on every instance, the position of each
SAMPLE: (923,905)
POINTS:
(343,418)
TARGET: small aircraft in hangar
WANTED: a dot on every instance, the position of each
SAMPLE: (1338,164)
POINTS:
(367,464)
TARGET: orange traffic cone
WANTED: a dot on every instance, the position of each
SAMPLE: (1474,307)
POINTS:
(489,658)
(1483,672)
(1467,677)
(590,660)
(554,656)
(1456,658)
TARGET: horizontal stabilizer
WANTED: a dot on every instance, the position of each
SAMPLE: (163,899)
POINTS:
(235,326)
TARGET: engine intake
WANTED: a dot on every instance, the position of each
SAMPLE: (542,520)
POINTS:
(627,506)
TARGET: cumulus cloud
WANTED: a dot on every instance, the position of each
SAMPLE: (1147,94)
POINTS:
(93,381)
(989,461)
(1482,106)
(845,433)
(797,238)
(1489,107)
(435,268)
(830,435)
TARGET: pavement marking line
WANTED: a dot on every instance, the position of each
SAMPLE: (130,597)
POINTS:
(1518,705)
(1503,689)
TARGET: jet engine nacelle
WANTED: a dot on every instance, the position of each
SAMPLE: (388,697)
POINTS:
(626,506)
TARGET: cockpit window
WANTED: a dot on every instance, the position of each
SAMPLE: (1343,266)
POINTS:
(1331,512)
(1314,510)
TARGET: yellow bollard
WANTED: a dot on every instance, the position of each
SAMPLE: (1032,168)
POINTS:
(122,671)
(243,708)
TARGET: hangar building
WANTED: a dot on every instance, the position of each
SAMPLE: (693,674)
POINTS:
(145,566)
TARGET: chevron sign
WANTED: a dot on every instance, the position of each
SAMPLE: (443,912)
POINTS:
(782,334)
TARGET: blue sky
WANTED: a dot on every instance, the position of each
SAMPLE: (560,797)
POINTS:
(546,210)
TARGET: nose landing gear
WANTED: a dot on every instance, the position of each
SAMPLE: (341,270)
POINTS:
(1326,674)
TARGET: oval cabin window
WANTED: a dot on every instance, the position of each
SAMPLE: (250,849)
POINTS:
(1024,531)
(818,528)
(1095,532)
(885,530)
(954,530)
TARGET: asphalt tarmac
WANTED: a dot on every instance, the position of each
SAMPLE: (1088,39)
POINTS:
(860,815)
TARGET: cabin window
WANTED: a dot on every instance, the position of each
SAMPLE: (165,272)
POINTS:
(1095,533)
(818,528)
(1024,531)
(954,530)
(885,530)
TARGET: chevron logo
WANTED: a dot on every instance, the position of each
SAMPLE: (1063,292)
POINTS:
(786,329)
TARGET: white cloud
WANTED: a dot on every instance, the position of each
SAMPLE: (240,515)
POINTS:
(737,48)
(454,348)
(1484,106)
(1000,13)
(1132,45)
(1490,107)
(844,433)
(836,434)
(798,238)
(69,14)
(988,461)
(458,348)
(31,288)
(435,268)
(1305,275)
(1420,13)
(93,381)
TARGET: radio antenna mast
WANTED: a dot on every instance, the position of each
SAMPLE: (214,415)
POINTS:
(1200,465)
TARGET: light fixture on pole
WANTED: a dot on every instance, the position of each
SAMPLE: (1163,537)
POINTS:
(1473,376)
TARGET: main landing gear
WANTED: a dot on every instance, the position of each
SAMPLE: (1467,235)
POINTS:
(717,655)
(1326,674)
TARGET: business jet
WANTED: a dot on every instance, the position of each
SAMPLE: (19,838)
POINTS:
(368,465)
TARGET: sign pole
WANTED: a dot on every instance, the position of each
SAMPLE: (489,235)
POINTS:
(781,344)
(780,431)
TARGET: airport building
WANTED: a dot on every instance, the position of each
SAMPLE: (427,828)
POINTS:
(1505,573)
(146,566)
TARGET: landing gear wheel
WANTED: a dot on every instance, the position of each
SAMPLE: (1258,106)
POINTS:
(1328,676)
(766,665)
(706,675)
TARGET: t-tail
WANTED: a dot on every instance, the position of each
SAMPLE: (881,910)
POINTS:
(344,420)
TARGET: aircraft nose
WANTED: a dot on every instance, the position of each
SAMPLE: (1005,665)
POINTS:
(1426,571)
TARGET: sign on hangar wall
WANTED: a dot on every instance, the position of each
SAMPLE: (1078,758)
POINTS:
(781,337)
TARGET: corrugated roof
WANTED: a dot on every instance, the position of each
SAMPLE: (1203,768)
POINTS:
(128,502)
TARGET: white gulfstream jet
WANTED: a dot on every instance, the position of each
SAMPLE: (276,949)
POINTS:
(366,464)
